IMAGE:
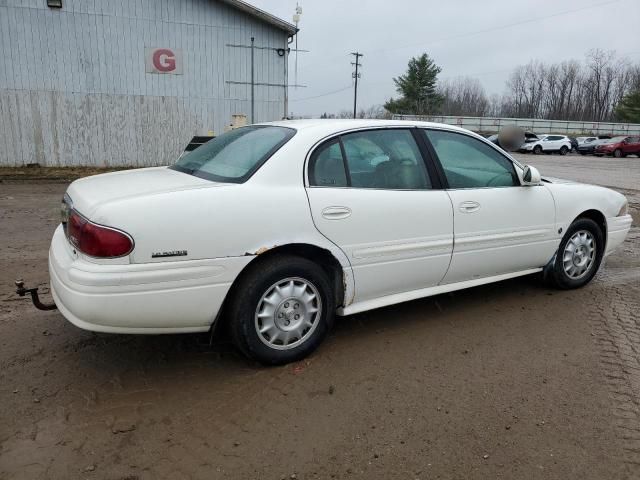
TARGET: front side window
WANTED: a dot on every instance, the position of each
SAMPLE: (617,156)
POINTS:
(383,159)
(234,156)
(470,163)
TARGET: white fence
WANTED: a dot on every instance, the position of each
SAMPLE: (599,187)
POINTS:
(493,125)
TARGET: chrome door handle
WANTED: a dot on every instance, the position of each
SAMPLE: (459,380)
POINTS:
(336,213)
(469,207)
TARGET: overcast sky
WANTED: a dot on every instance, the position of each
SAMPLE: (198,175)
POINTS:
(483,39)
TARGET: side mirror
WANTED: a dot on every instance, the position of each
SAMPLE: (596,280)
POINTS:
(531,176)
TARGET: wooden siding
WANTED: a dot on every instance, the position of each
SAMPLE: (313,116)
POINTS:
(73,87)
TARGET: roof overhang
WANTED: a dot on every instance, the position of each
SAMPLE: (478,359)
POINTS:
(262,15)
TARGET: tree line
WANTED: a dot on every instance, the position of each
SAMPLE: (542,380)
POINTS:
(604,87)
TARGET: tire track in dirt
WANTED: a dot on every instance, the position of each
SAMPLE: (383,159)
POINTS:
(615,322)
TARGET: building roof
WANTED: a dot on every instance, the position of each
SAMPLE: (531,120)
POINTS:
(262,15)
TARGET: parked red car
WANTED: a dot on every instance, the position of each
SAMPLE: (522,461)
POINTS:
(619,147)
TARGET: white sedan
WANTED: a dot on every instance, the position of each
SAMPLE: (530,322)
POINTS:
(274,229)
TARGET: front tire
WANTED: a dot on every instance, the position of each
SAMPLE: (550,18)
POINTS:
(537,150)
(281,309)
(579,255)
(617,153)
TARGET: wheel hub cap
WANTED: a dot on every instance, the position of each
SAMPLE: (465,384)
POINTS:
(288,313)
(579,254)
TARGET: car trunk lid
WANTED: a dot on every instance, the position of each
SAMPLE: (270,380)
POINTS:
(90,192)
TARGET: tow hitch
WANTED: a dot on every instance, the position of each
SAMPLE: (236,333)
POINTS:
(20,290)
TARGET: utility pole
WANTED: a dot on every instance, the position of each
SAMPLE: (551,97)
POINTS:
(356,75)
(253,81)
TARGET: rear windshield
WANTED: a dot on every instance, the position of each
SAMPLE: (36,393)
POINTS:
(236,155)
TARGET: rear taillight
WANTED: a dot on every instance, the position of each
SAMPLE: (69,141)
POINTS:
(97,240)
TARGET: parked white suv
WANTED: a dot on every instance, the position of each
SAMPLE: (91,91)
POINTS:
(549,144)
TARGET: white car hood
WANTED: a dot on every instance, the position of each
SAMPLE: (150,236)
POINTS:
(91,192)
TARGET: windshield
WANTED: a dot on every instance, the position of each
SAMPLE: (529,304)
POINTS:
(236,155)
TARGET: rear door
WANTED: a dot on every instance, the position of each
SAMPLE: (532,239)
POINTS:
(500,226)
(372,194)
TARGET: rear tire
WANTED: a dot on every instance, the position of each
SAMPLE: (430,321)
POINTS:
(564,150)
(582,153)
(579,255)
(281,310)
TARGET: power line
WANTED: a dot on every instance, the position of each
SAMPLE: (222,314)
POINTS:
(356,75)
(477,32)
(323,94)
(498,27)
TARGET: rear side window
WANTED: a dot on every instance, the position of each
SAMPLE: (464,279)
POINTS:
(470,163)
(382,159)
(235,155)
(327,166)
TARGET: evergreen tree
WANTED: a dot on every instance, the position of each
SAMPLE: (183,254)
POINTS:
(417,88)
(628,110)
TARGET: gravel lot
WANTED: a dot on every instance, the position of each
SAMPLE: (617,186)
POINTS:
(510,380)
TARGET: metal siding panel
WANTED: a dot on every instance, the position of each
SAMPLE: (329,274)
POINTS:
(18,34)
(127,57)
(69,135)
(114,47)
(36,128)
(101,53)
(44,107)
(6,46)
(5,140)
(48,63)
(27,128)
(14,126)
(32,49)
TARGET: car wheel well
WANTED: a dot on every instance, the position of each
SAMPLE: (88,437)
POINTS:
(322,257)
(597,217)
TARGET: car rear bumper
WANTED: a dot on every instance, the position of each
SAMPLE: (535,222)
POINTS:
(151,298)
(617,230)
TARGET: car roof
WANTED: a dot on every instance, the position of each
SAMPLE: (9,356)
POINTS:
(338,125)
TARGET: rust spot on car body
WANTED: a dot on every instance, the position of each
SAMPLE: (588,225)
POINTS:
(260,251)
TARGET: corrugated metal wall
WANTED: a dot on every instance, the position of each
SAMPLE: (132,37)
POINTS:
(73,87)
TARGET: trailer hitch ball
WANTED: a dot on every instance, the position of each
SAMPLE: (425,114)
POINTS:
(21,291)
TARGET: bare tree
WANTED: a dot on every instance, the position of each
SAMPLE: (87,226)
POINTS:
(374,112)
(463,96)
(568,90)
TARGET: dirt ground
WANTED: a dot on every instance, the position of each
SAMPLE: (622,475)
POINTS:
(510,380)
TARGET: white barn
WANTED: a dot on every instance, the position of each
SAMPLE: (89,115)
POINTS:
(130,82)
